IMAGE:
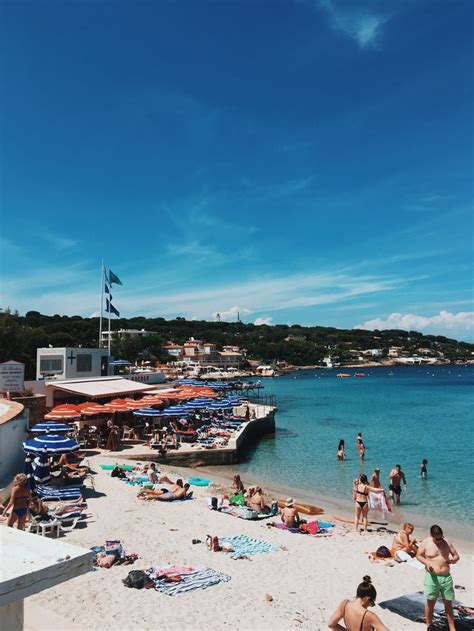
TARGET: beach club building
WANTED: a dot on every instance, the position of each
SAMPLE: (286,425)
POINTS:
(195,352)
(71,363)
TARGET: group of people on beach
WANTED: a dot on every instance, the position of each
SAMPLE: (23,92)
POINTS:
(437,554)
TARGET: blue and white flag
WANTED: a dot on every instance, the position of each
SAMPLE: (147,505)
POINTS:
(107,290)
(109,307)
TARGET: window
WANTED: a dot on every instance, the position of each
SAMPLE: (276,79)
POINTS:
(51,364)
(84,362)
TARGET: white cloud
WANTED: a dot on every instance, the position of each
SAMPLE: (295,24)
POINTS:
(259,321)
(59,242)
(362,25)
(232,314)
(458,325)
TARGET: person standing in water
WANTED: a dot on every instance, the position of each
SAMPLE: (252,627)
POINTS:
(340,450)
(424,469)
(396,478)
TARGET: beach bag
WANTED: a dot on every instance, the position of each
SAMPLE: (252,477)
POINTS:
(118,473)
(113,547)
(136,579)
(383,552)
(214,503)
(237,500)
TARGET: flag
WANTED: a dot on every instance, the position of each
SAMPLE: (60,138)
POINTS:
(109,307)
(113,278)
(107,290)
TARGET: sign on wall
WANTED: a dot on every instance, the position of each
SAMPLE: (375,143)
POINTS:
(12,376)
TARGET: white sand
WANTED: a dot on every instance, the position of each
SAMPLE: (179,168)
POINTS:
(306,581)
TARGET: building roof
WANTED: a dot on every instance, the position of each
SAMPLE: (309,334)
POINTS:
(99,387)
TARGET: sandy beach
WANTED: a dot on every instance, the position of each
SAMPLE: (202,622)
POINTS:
(298,586)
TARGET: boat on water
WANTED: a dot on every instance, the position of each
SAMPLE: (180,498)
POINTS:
(360,374)
(342,375)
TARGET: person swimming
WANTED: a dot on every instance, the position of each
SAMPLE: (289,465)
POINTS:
(375,479)
(424,469)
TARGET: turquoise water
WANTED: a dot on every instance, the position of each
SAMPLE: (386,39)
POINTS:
(405,414)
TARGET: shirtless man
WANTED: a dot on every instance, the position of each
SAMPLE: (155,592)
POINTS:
(396,478)
(437,554)
(289,514)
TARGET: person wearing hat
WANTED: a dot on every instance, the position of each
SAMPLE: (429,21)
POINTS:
(375,479)
(289,514)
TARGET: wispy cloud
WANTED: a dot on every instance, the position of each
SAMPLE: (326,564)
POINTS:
(57,241)
(360,23)
(458,325)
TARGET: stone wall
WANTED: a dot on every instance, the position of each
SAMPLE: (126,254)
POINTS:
(36,404)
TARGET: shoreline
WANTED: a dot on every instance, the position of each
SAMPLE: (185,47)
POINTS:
(462,534)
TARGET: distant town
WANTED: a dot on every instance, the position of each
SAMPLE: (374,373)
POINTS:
(188,347)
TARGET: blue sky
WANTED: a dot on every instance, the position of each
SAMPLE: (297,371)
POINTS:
(305,161)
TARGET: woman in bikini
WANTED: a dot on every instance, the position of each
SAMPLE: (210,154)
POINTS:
(19,502)
(361,497)
(340,450)
(355,613)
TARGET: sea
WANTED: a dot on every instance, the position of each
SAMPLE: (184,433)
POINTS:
(405,414)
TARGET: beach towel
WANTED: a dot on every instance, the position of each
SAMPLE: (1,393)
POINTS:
(200,578)
(412,606)
(378,501)
(404,557)
(245,546)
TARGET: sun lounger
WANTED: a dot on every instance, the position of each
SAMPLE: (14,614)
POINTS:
(59,493)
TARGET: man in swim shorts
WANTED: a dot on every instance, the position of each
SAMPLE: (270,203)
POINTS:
(395,487)
(437,554)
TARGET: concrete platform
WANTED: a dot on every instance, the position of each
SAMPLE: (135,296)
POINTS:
(195,454)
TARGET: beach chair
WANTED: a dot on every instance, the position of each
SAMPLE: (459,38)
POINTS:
(59,493)
(68,521)
(127,432)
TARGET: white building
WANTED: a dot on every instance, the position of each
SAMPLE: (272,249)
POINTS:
(126,333)
(71,363)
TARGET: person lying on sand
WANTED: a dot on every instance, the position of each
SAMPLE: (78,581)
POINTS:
(355,613)
(177,492)
(402,540)
(289,514)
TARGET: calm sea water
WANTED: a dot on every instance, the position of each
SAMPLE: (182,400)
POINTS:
(405,414)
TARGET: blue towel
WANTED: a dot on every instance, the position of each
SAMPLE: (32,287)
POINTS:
(243,546)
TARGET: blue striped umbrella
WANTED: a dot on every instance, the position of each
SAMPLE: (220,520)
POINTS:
(41,468)
(220,405)
(147,412)
(175,411)
(28,471)
(53,443)
(52,428)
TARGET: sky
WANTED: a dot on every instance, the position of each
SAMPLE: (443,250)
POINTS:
(288,161)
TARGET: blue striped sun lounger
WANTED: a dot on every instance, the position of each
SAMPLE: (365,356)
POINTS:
(59,492)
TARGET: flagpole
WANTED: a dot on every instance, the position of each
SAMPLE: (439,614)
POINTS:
(110,313)
(101,302)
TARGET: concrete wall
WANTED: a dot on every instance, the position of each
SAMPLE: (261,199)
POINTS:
(12,435)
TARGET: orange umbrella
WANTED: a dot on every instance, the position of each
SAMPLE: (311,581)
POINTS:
(62,415)
(91,409)
(117,405)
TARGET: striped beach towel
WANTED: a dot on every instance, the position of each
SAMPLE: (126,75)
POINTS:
(244,546)
(200,578)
